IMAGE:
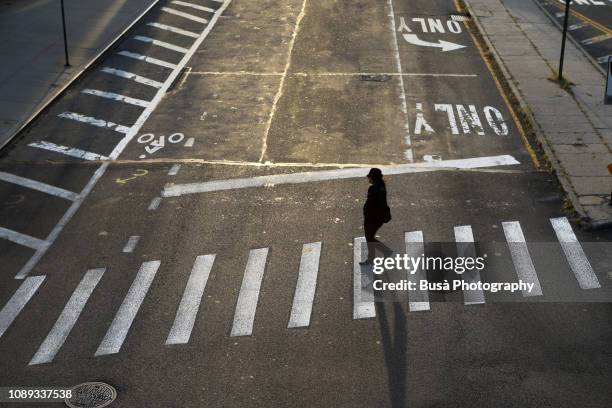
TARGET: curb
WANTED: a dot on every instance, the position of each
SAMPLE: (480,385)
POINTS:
(576,43)
(56,94)
(585,221)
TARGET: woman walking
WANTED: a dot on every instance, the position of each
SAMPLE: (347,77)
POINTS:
(376,212)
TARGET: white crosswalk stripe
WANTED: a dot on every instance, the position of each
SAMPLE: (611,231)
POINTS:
(418,300)
(116,97)
(144,58)
(174,30)
(190,303)
(95,122)
(185,15)
(162,44)
(306,286)
(304,294)
(119,328)
(68,318)
(18,301)
(521,257)
(363,293)
(574,253)
(244,317)
(193,6)
(129,75)
(465,248)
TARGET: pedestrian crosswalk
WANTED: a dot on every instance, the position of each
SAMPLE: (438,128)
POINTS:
(188,308)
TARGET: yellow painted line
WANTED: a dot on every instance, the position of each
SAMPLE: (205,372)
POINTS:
(585,19)
(500,89)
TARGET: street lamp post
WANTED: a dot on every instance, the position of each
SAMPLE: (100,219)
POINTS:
(562,57)
(65,38)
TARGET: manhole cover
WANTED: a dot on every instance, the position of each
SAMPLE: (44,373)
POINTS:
(91,395)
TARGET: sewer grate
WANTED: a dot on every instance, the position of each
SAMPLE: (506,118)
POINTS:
(375,77)
(91,395)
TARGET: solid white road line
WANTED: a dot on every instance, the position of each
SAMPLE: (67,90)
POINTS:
(521,257)
(363,293)
(174,170)
(136,78)
(68,318)
(190,303)
(123,143)
(161,44)
(150,60)
(465,248)
(68,151)
(404,106)
(118,330)
(312,176)
(94,122)
(38,186)
(418,300)
(116,97)
(22,239)
(174,30)
(185,15)
(249,293)
(575,254)
(154,203)
(303,297)
(194,6)
(17,302)
(131,244)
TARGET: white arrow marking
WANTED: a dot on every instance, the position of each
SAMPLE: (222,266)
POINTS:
(445,45)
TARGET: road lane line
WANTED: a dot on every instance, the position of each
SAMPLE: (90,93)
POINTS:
(161,44)
(194,6)
(246,305)
(38,186)
(175,30)
(22,239)
(281,84)
(95,122)
(363,293)
(116,97)
(521,257)
(119,328)
(174,170)
(190,302)
(185,15)
(465,248)
(338,174)
(68,151)
(408,154)
(418,300)
(68,318)
(129,75)
(131,244)
(18,301)
(306,286)
(150,60)
(154,203)
(331,74)
(31,263)
(575,254)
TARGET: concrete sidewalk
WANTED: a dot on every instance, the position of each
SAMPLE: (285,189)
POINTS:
(32,50)
(574,128)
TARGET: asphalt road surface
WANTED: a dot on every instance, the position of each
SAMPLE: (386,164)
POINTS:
(178,277)
(590,24)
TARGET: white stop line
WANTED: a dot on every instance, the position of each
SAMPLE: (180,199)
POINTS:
(312,176)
